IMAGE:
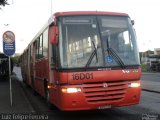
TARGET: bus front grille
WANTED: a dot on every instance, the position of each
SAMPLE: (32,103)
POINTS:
(107,92)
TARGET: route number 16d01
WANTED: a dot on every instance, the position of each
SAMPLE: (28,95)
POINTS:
(82,76)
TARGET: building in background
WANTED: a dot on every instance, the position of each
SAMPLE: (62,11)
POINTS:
(157,51)
(151,59)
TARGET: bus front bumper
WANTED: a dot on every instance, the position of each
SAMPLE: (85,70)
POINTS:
(78,98)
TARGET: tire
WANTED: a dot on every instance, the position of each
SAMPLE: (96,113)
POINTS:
(50,106)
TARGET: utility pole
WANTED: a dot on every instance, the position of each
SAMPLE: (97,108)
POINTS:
(51,7)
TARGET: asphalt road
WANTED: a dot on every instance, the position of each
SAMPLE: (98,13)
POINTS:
(154,77)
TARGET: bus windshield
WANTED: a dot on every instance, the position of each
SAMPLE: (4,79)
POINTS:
(97,41)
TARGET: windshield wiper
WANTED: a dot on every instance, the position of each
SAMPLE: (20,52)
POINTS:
(92,56)
(113,53)
(116,57)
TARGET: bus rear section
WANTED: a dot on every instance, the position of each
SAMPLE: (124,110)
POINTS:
(85,61)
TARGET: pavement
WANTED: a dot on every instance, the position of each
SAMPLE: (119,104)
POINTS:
(20,103)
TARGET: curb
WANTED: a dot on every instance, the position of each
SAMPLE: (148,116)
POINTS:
(151,91)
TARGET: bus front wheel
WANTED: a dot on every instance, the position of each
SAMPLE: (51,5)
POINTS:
(50,106)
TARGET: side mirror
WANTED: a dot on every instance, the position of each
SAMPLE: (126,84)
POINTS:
(132,21)
(53,33)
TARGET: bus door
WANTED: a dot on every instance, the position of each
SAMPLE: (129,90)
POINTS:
(40,67)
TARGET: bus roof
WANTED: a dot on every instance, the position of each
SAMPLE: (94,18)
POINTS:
(88,13)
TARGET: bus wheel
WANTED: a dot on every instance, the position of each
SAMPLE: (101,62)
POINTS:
(50,106)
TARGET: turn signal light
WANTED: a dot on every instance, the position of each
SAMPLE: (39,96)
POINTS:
(49,86)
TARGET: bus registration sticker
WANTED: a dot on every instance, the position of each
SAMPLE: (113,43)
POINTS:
(109,59)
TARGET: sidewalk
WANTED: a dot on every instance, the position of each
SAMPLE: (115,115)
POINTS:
(20,103)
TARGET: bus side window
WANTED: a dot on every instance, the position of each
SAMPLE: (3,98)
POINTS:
(40,54)
(45,43)
(37,46)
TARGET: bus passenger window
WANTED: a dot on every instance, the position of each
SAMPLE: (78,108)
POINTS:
(45,43)
(40,54)
(37,46)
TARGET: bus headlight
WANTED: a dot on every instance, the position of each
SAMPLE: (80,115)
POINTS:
(134,84)
(70,90)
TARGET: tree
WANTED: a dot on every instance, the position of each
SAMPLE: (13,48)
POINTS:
(3,3)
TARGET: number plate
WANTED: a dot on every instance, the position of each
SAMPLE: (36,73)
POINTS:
(104,107)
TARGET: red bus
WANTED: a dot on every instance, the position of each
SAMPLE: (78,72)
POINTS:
(85,60)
